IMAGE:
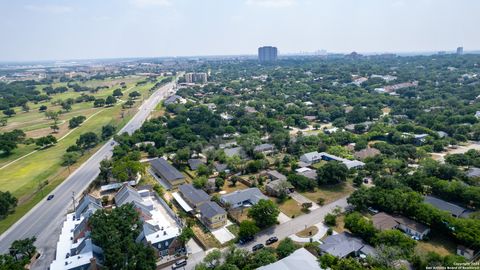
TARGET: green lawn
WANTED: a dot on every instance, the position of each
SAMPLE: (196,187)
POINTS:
(329,192)
(22,178)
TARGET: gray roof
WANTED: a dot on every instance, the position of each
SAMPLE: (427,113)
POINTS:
(312,156)
(310,174)
(342,244)
(275,174)
(194,163)
(220,167)
(280,183)
(87,203)
(192,194)
(253,195)
(165,170)
(172,99)
(127,194)
(263,147)
(473,172)
(236,151)
(299,259)
(211,209)
(445,206)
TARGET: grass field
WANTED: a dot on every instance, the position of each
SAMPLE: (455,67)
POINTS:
(291,208)
(330,193)
(23,177)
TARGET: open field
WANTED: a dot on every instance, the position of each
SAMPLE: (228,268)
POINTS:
(437,243)
(330,193)
(24,176)
(291,208)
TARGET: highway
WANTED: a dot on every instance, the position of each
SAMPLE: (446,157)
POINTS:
(45,219)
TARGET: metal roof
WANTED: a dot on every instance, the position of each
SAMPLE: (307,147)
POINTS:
(211,209)
(193,195)
(182,202)
(445,206)
(165,170)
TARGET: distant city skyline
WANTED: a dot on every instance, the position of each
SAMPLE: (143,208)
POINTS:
(67,29)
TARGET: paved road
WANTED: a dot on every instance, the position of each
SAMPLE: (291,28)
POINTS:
(45,219)
(281,231)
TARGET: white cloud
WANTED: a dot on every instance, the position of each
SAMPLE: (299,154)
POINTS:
(271,3)
(151,3)
(57,9)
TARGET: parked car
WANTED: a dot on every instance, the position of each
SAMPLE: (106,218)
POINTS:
(271,240)
(179,264)
(245,240)
(372,210)
(257,247)
(50,197)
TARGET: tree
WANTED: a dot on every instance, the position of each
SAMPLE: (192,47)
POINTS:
(186,234)
(361,226)
(76,121)
(200,182)
(264,213)
(127,169)
(286,247)
(182,156)
(397,239)
(3,122)
(330,220)
(9,112)
(134,94)
(87,140)
(99,102)
(110,100)
(66,106)
(46,141)
(42,108)
(116,231)
(247,228)
(105,170)
(24,247)
(55,128)
(219,182)
(70,158)
(129,103)
(332,172)
(117,92)
(7,203)
(108,131)
(212,259)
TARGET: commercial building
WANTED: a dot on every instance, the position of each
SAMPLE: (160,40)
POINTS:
(267,54)
(167,172)
(200,77)
(460,50)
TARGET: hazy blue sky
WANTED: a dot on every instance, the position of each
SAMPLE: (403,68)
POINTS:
(68,29)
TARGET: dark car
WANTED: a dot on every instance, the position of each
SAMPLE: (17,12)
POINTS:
(271,240)
(257,247)
(50,197)
(245,240)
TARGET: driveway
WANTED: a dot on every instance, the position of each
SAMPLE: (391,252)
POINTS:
(282,218)
(223,235)
(302,199)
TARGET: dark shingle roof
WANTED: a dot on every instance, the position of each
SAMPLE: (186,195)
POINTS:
(192,194)
(165,170)
(445,206)
(342,244)
(263,147)
(250,194)
(211,209)
(194,163)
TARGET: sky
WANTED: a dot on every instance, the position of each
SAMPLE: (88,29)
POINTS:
(32,30)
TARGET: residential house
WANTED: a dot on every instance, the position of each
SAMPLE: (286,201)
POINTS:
(160,226)
(477,114)
(212,215)
(311,157)
(242,198)
(194,163)
(167,172)
(275,175)
(465,252)
(193,196)
(264,148)
(453,209)
(173,99)
(236,151)
(344,245)
(220,167)
(366,153)
(473,172)
(277,187)
(299,259)
(383,221)
(75,249)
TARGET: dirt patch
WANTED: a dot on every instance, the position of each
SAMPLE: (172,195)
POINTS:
(308,232)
